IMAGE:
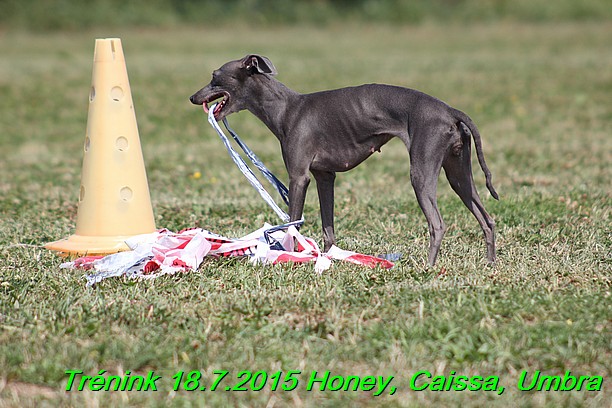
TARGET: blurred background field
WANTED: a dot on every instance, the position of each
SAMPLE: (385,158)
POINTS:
(42,15)
(535,76)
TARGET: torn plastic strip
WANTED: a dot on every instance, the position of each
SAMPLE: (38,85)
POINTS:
(244,168)
(280,187)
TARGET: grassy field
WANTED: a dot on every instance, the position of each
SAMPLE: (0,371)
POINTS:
(540,94)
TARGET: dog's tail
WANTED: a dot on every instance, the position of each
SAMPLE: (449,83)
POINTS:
(469,127)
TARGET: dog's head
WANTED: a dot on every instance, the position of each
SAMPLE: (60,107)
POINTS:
(232,84)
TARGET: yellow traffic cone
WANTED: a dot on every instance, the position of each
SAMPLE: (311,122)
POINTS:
(114,200)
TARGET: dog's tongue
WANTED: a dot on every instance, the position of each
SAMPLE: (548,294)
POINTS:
(205,107)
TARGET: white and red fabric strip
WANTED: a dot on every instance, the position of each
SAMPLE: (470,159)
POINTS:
(165,252)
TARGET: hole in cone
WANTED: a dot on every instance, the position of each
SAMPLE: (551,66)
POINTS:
(126,194)
(116,93)
(121,143)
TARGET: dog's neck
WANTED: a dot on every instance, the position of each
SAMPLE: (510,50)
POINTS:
(271,101)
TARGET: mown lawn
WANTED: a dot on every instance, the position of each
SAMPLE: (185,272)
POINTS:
(541,97)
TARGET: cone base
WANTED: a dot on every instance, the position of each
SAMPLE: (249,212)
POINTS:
(82,245)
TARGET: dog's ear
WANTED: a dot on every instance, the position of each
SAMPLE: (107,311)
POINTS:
(257,64)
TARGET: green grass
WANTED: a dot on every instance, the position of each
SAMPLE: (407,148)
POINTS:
(541,97)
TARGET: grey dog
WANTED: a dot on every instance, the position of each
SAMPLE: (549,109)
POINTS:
(332,131)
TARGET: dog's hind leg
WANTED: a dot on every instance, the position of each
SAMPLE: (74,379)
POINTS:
(425,164)
(458,168)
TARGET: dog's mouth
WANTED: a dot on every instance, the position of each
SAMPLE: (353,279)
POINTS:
(224,96)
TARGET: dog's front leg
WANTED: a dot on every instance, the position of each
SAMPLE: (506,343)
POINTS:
(298,184)
(325,188)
